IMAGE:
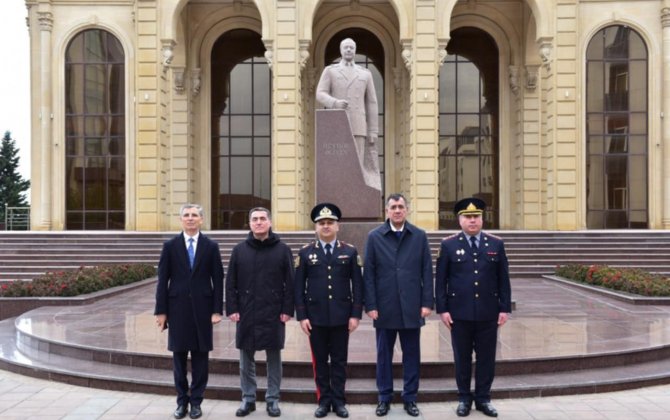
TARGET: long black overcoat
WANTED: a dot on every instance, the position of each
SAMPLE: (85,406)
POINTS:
(190,297)
(259,286)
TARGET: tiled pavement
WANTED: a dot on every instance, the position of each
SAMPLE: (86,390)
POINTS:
(28,398)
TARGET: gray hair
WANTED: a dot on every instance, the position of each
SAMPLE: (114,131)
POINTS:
(198,207)
(267,212)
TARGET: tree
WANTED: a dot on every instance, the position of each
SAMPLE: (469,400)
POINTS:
(12,185)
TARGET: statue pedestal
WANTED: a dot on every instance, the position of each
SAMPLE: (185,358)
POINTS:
(339,178)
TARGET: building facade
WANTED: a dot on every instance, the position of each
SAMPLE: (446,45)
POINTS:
(551,111)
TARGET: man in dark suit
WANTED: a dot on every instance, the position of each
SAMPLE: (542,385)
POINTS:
(473,296)
(398,278)
(189,298)
(329,304)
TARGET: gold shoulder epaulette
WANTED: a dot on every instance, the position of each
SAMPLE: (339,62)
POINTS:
(451,236)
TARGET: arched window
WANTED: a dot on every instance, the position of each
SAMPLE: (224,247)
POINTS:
(616,130)
(469,150)
(241,116)
(95,137)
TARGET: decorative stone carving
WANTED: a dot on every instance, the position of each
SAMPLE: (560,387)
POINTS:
(195,81)
(514,79)
(46,20)
(532,75)
(178,75)
(397,79)
(545,52)
(665,17)
(406,53)
(304,53)
(168,52)
(268,52)
(442,50)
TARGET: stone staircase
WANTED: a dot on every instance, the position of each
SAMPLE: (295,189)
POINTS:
(25,255)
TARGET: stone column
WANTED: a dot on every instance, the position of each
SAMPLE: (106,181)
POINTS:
(665,23)
(46,116)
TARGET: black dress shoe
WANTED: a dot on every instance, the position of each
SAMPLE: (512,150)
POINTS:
(273,409)
(180,412)
(412,409)
(341,411)
(487,408)
(463,409)
(196,412)
(321,411)
(382,408)
(245,409)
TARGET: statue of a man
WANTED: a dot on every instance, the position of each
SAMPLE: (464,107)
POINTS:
(348,86)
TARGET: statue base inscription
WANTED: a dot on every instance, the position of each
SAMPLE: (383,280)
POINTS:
(339,177)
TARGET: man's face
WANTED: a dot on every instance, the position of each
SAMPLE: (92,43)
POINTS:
(348,50)
(326,229)
(396,211)
(471,224)
(260,224)
(191,220)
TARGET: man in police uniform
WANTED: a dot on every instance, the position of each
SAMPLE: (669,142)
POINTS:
(329,304)
(473,296)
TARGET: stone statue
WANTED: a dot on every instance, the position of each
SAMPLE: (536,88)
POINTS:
(348,86)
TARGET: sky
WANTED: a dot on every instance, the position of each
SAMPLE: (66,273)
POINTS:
(14,79)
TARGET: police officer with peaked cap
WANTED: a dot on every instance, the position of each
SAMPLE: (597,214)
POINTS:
(473,298)
(329,304)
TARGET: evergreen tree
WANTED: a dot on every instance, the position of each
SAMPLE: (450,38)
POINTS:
(12,185)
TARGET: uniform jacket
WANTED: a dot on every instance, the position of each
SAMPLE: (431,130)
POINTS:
(356,86)
(398,276)
(328,291)
(259,287)
(189,298)
(469,287)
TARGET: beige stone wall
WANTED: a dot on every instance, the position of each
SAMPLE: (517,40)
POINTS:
(167,42)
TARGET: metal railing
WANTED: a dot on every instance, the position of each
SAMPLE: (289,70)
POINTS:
(17,218)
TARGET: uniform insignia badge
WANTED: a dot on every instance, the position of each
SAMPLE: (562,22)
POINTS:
(313,258)
(460,251)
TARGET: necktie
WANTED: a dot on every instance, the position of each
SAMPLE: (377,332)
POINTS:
(191,252)
(398,233)
(473,243)
(329,251)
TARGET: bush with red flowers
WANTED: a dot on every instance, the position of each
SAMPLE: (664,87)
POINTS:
(629,280)
(78,282)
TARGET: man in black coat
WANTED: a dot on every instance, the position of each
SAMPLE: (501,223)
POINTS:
(329,304)
(398,279)
(473,296)
(259,298)
(189,298)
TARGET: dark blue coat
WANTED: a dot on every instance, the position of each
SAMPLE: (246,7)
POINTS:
(472,288)
(328,292)
(189,298)
(259,287)
(398,276)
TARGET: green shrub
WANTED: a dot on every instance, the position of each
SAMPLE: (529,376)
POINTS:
(630,280)
(78,282)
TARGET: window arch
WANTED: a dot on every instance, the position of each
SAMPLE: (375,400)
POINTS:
(616,130)
(469,145)
(95,137)
(241,128)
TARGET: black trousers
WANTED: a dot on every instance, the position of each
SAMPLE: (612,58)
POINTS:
(480,337)
(199,373)
(330,343)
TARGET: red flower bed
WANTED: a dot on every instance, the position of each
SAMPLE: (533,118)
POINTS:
(630,280)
